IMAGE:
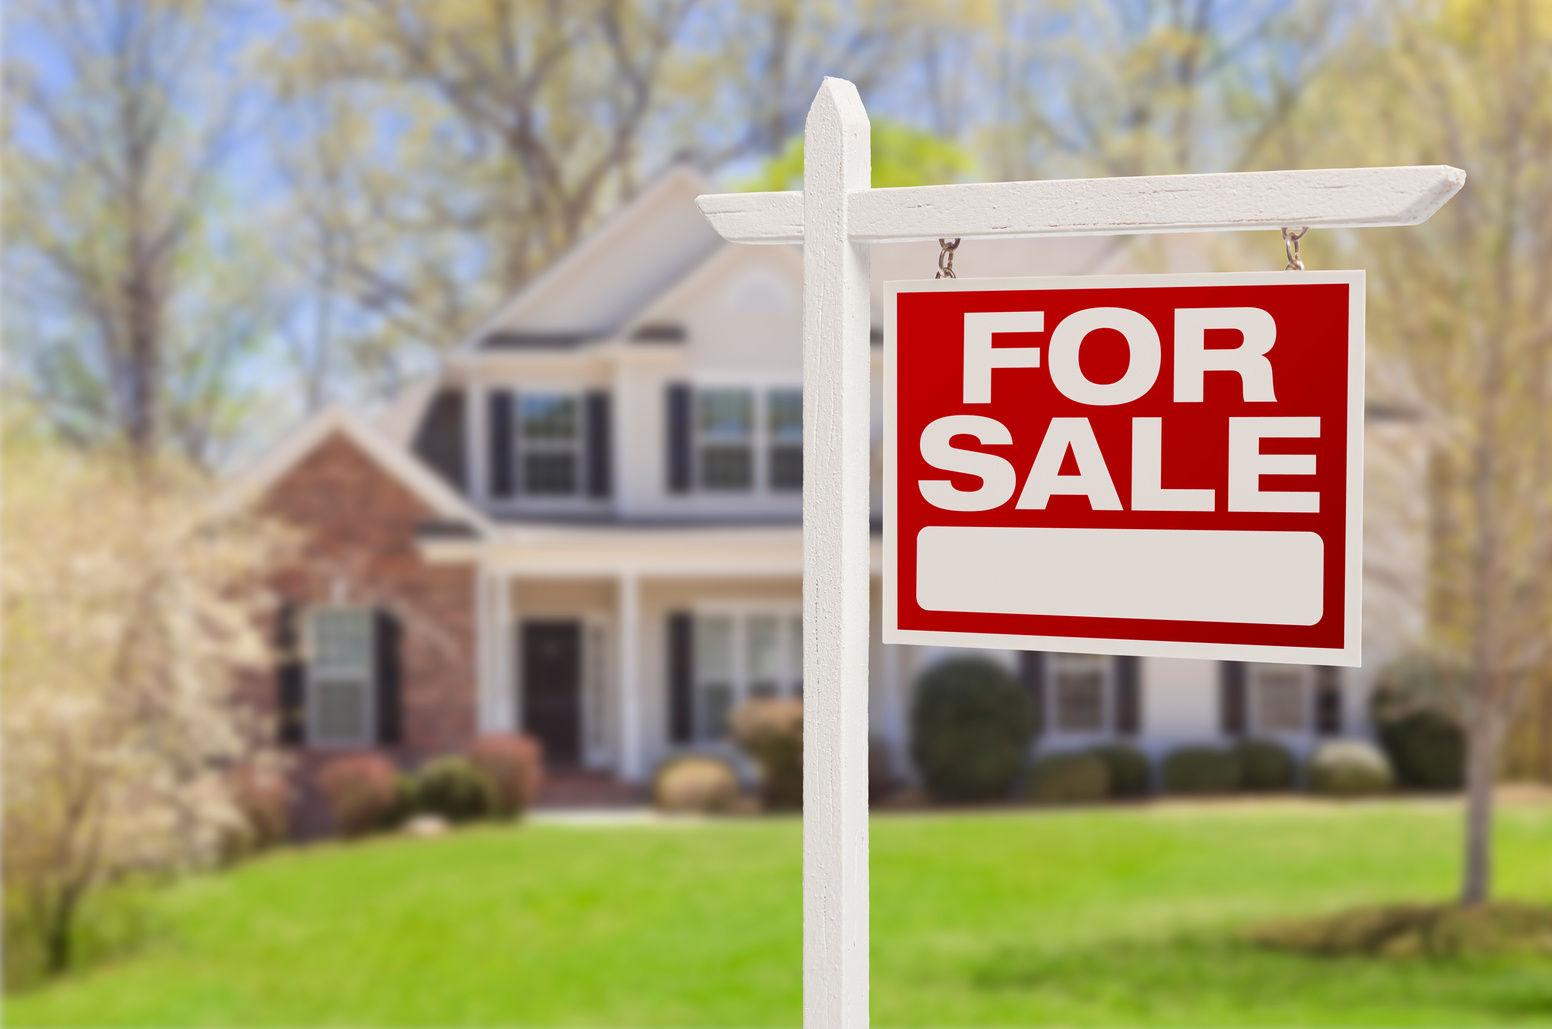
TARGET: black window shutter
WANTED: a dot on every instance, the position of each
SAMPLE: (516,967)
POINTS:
(1032,675)
(679,398)
(599,471)
(502,462)
(1128,695)
(1232,700)
(290,679)
(389,679)
(681,677)
(1328,701)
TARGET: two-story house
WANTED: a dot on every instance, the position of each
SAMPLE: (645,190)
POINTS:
(588,528)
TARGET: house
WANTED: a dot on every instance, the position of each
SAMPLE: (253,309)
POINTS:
(587,528)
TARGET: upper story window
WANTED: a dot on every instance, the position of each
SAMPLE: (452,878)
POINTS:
(548,444)
(341,671)
(725,438)
(735,439)
(549,441)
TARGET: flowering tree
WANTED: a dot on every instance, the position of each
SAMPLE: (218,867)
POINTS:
(129,612)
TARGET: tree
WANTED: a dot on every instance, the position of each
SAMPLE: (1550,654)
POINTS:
(129,613)
(132,301)
(1460,312)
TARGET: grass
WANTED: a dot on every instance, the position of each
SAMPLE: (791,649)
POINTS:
(1101,917)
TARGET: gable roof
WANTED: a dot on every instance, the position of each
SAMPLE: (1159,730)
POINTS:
(623,265)
(398,462)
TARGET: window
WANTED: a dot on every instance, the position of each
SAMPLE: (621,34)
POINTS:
(725,426)
(1079,681)
(1278,698)
(784,412)
(549,428)
(340,674)
(741,656)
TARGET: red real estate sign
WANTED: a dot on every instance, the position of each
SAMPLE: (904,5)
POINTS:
(1161,465)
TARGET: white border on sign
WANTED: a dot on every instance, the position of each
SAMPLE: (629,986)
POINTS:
(1350,654)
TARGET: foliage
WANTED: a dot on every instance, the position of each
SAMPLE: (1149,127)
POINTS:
(130,612)
(881,774)
(771,732)
(513,764)
(970,729)
(1201,770)
(695,783)
(902,156)
(455,789)
(1140,914)
(1412,930)
(1265,765)
(363,793)
(1072,778)
(1427,749)
(1348,768)
(136,299)
(1128,768)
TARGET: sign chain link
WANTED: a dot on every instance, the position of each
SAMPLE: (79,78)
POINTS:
(946,259)
(1291,248)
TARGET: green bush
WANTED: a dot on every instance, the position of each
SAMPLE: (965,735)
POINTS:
(1426,748)
(1349,768)
(1128,768)
(695,783)
(1072,778)
(971,725)
(1201,770)
(455,789)
(1265,765)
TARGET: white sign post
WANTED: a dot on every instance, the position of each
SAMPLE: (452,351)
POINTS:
(836,217)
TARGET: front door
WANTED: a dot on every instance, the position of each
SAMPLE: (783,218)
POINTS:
(552,687)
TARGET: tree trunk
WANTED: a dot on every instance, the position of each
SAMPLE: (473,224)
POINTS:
(1481,764)
(58,934)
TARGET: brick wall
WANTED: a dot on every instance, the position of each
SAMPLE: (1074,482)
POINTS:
(357,525)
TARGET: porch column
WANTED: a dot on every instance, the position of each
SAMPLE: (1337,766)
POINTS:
(629,631)
(504,644)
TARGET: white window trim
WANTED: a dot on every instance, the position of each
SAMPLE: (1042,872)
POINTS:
(1253,727)
(761,441)
(1053,730)
(369,722)
(739,612)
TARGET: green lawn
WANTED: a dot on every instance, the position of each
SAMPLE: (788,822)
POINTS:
(1107,917)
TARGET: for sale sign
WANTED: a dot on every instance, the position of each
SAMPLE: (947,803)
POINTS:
(1156,464)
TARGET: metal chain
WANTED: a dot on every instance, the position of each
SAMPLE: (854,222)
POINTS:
(1291,248)
(946,259)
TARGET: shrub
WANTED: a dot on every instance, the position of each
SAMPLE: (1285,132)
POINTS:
(695,783)
(1426,748)
(514,766)
(263,799)
(771,732)
(1201,770)
(362,793)
(1073,778)
(1128,768)
(971,725)
(1265,765)
(881,775)
(453,788)
(1349,768)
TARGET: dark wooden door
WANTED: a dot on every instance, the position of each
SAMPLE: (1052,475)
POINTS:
(552,687)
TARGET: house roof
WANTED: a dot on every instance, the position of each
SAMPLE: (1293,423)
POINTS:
(615,271)
(391,456)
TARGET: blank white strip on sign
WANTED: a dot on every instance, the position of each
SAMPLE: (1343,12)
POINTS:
(1198,575)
